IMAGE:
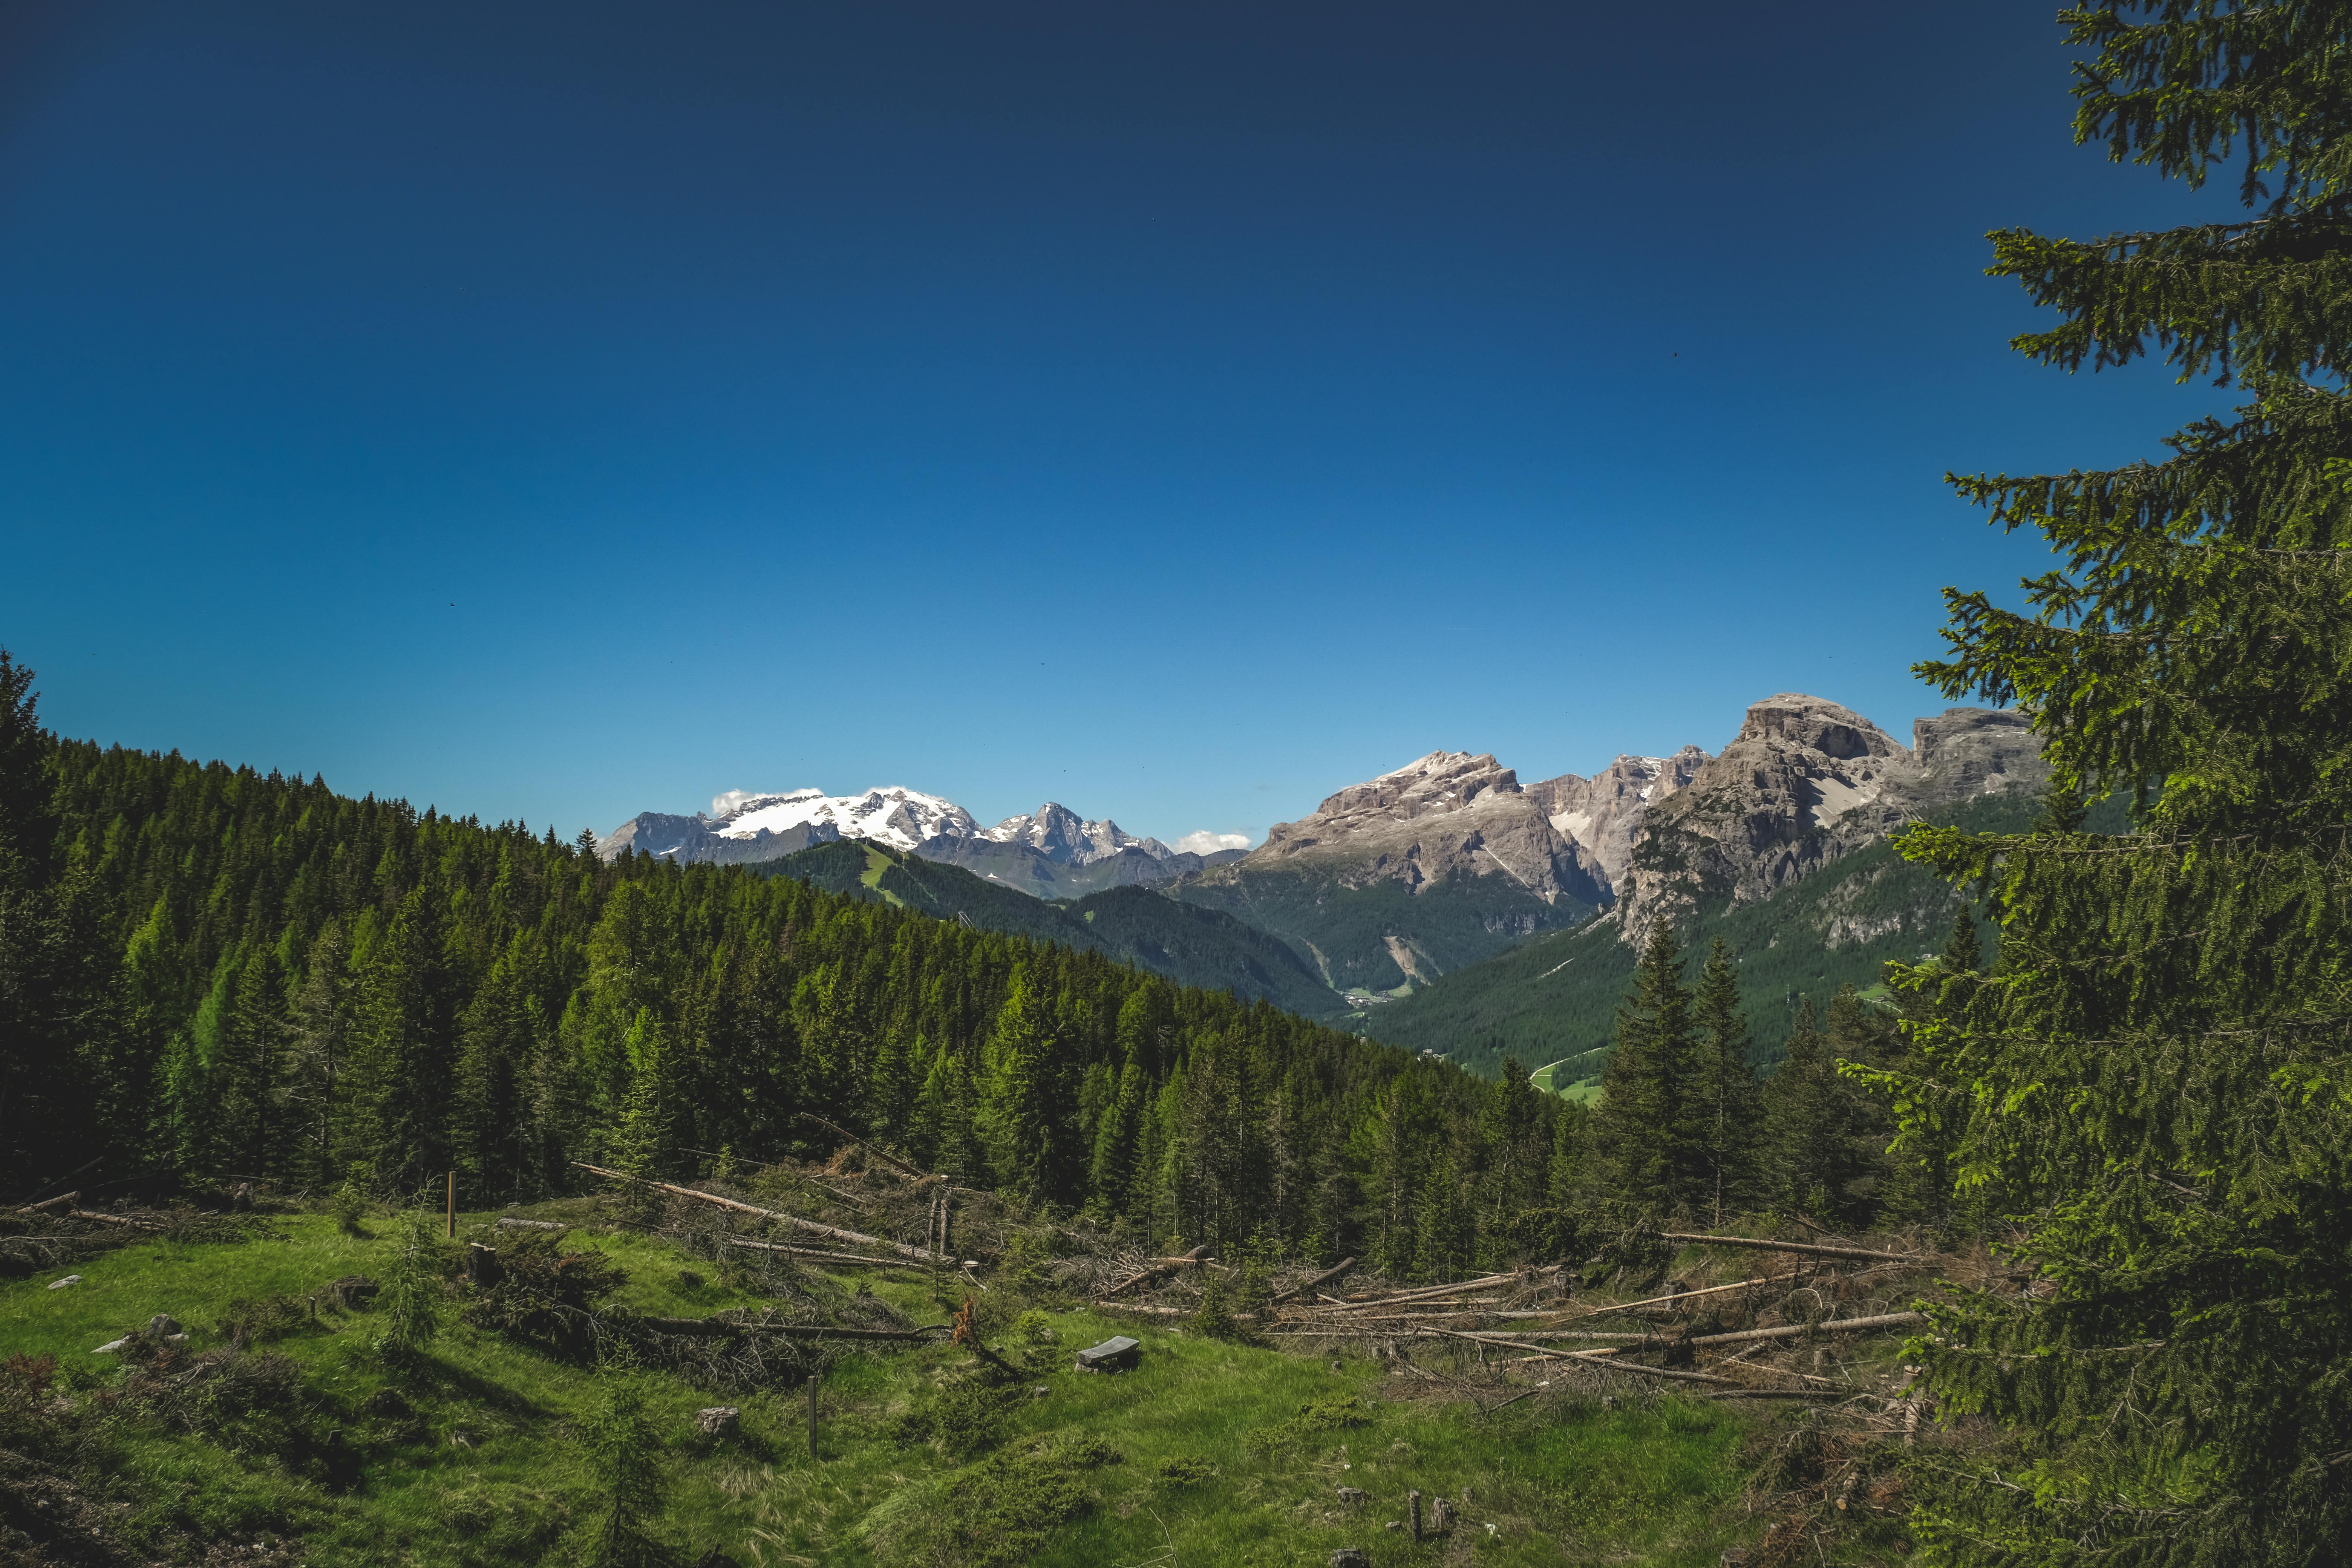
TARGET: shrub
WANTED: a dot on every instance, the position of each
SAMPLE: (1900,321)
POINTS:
(1000,1512)
(413,1300)
(967,1418)
(546,1297)
(266,1317)
(625,1459)
(1216,1317)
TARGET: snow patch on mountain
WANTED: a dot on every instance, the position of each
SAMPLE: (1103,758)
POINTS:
(896,815)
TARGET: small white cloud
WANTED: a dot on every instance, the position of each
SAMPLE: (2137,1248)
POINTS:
(1207,843)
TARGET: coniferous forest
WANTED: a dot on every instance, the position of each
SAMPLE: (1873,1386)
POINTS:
(216,973)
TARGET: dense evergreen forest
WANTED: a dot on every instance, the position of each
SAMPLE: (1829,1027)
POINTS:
(213,972)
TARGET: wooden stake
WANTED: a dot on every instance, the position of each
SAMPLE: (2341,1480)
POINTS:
(813,1377)
(453,1206)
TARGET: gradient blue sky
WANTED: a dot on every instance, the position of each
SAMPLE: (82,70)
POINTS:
(1178,411)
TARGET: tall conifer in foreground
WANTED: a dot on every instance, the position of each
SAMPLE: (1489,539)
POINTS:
(2157,1074)
(1723,1098)
(1647,1130)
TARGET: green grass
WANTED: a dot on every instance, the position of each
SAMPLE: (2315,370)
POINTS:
(486,1468)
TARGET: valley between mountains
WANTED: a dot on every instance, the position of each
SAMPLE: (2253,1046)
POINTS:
(1447,906)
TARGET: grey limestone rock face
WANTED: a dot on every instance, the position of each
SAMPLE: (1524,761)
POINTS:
(1603,814)
(1449,813)
(1805,782)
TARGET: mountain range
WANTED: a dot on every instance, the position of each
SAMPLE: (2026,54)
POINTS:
(1444,905)
(1051,853)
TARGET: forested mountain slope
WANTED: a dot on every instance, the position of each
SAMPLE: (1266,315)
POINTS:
(1190,945)
(211,970)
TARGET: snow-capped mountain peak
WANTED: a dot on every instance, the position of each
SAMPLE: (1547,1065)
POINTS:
(896,815)
(1059,834)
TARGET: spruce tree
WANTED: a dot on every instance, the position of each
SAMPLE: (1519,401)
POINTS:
(1806,1134)
(1645,1132)
(1723,1098)
(2157,1077)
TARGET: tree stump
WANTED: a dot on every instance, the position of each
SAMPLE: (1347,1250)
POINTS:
(720,1421)
(1412,1511)
(483,1269)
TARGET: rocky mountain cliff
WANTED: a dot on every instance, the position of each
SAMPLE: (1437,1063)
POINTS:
(1603,814)
(1395,882)
(1805,782)
(1447,815)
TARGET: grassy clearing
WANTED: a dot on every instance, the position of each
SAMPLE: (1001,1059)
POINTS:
(1201,1455)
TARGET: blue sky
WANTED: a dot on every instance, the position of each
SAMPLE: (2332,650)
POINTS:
(1177,410)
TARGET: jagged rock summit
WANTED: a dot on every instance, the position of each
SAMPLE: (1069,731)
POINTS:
(1065,838)
(1445,815)
(1604,812)
(1804,782)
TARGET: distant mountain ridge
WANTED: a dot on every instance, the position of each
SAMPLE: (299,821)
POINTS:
(1444,904)
(1425,869)
(1052,852)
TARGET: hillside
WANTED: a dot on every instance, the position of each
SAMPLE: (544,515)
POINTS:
(285,1430)
(1556,997)
(1188,944)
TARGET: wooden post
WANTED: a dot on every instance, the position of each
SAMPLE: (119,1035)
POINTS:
(453,1206)
(814,1373)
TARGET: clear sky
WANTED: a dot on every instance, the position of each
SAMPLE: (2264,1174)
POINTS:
(1176,410)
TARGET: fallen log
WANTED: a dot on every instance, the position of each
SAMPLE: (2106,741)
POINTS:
(1436,1310)
(1139,1307)
(1795,1330)
(1153,1272)
(829,1257)
(508,1222)
(1806,1248)
(68,1201)
(1785,1394)
(1596,1356)
(721,1326)
(834,1231)
(113,1219)
(1307,1287)
(1391,1298)
(1680,1296)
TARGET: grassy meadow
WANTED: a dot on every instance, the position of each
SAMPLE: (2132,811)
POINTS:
(1210,1452)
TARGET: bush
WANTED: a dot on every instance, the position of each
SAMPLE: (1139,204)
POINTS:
(1187,1472)
(266,1317)
(625,1459)
(412,1301)
(1000,1513)
(546,1297)
(349,1206)
(967,1418)
(1216,1317)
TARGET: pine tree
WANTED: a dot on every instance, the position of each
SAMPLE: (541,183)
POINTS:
(1723,1098)
(1646,1130)
(1119,1139)
(1446,1230)
(1919,1174)
(1805,1129)
(2157,1074)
